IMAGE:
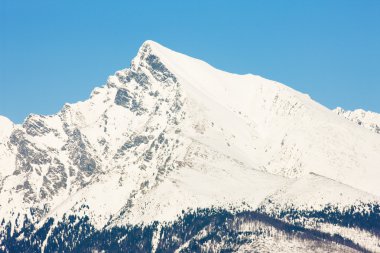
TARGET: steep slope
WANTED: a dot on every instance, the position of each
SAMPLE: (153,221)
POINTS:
(369,120)
(172,134)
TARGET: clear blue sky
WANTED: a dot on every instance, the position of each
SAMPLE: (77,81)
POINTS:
(57,51)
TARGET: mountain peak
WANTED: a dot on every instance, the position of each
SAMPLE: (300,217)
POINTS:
(151,44)
(148,48)
(152,47)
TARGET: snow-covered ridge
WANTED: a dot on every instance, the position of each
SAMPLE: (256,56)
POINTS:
(367,119)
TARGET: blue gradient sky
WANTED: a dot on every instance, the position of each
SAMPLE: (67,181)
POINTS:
(53,52)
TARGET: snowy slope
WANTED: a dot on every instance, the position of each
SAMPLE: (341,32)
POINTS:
(310,200)
(316,192)
(367,119)
(172,133)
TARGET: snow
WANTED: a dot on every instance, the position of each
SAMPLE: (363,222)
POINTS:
(315,192)
(7,157)
(204,185)
(366,119)
(361,237)
(6,127)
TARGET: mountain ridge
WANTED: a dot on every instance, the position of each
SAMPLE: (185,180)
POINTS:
(366,119)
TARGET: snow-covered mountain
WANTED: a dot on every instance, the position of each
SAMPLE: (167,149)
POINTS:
(172,150)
